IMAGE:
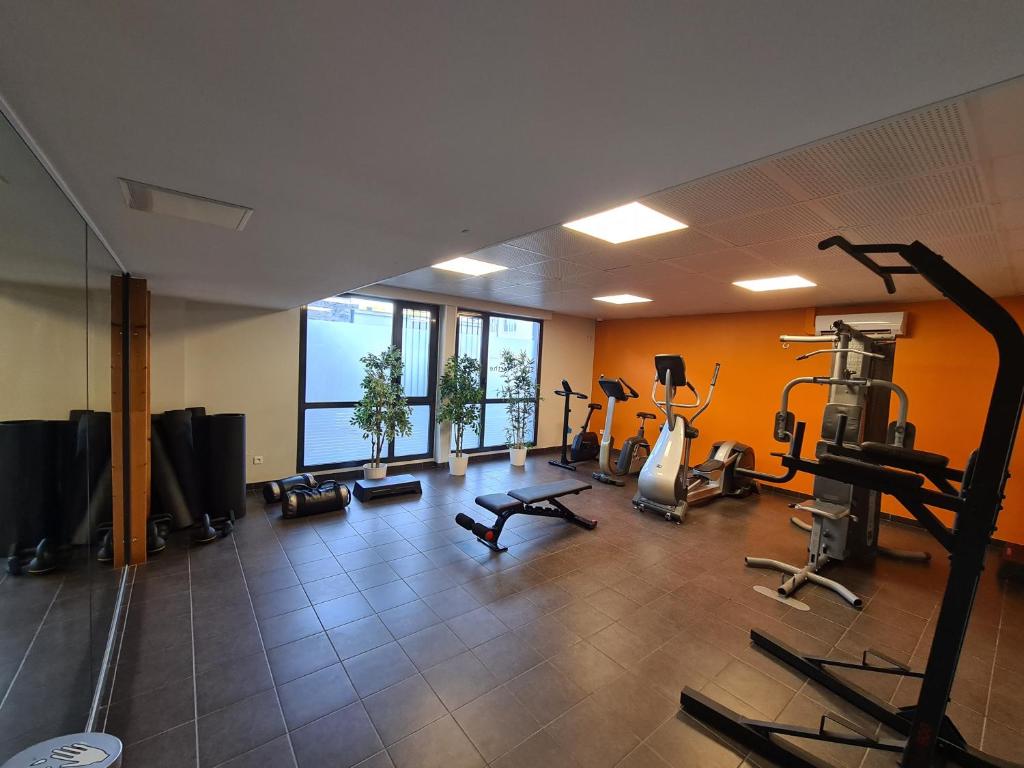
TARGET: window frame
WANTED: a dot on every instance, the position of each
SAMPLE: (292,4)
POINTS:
(484,350)
(429,399)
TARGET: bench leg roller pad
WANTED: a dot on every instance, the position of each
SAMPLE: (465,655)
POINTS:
(485,535)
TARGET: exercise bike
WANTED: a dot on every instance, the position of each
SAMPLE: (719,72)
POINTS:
(635,449)
(668,485)
(584,445)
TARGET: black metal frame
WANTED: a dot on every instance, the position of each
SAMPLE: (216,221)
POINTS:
(930,736)
(488,535)
(565,461)
(484,342)
(396,339)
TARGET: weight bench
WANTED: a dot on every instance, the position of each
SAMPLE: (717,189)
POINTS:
(525,501)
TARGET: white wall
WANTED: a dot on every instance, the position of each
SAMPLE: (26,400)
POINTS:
(245,360)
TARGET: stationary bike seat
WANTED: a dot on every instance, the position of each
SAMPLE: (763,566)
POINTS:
(646,415)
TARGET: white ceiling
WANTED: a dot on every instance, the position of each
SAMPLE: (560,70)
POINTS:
(367,136)
(950,175)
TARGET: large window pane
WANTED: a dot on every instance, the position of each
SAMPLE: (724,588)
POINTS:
(339,331)
(470,438)
(331,439)
(495,419)
(417,325)
(419,441)
(471,328)
(508,333)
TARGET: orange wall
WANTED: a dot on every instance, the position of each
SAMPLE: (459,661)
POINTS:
(945,363)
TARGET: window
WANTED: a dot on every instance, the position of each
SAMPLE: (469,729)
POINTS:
(485,336)
(335,333)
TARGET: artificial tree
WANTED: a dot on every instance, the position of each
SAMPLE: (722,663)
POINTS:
(460,395)
(521,391)
(383,413)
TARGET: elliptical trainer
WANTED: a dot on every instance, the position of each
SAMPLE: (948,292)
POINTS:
(667,484)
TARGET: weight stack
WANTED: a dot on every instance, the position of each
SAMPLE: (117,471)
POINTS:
(225,464)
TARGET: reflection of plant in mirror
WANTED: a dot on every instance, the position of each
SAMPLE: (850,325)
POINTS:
(383,413)
(522,392)
(460,395)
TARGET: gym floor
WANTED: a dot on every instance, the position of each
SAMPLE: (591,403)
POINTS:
(386,635)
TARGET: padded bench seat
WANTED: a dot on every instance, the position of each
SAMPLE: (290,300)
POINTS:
(534,493)
(498,503)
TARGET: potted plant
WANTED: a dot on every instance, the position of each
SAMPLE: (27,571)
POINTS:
(522,392)
(460,395)
(383,413)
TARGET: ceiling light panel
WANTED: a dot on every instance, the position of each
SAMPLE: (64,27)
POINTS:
(150,198)
(466,266)
(632,221)
(622,298)
(782,283)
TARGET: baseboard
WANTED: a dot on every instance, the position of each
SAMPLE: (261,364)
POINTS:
(354,473)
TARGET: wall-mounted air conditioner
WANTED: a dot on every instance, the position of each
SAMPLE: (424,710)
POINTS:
(881,323)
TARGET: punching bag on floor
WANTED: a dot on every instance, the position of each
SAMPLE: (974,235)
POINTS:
(167,495)
(28,488)
(225,467)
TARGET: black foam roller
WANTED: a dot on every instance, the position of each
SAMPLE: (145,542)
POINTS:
(27,484)
(179,443)
(225,456)
(166,487)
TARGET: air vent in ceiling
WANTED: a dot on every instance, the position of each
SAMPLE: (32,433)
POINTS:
(168,202)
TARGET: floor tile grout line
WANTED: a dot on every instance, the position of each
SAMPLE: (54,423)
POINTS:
(192,635)
(277,695)
(992,672)
(32,642)
(120,645)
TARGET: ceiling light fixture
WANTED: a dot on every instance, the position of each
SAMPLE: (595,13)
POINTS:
(466,266)
(627,222)
(622,298)
(775,283)
(315,308)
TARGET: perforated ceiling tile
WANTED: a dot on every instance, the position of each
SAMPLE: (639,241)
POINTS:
(557,242)
(557,268)
(966,221)
(686,242)
(727,265)
(972,252)
(507,256)
(769,225)
(723,196)
(910,145)
(956,188)
(792,250)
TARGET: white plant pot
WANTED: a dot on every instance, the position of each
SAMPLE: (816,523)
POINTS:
(457,464)
(371,472)
(517,456)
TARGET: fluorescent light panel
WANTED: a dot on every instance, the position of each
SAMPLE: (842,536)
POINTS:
(466,266)
(169,202)
(627,222)
(622,298)
(775,283)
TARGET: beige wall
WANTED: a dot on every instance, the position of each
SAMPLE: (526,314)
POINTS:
(239,359)
(231,359)
(43,351)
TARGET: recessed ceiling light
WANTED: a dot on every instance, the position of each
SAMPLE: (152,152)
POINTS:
(170,202)
(627,222)
(467,266)
(622,298)
(775,283)
(315,308)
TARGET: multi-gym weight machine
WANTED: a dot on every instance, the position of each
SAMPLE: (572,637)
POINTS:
(844,518)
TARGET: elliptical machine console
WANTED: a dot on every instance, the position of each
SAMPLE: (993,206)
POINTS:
(635,449)
(667,484)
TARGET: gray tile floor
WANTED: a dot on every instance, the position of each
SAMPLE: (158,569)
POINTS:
(387,636)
